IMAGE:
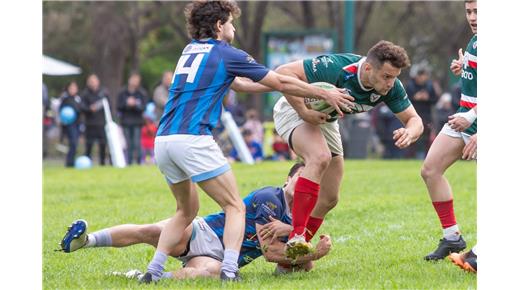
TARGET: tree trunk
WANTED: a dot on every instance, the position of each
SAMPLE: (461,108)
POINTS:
(111,49)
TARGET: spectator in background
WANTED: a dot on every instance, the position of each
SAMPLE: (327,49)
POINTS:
(386,124)
(131,103)
(281,150)
(71,99)
(422,94)
(148,133)
(254,125)
(161,93)
(443,110)
(46,104)
(231,105)
(92,106)
(254,147)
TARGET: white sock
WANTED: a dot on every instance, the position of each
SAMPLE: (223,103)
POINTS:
(474,249)
(91,241)
(452,233)
(229,264)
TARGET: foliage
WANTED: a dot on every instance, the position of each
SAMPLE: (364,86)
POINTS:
(114,38)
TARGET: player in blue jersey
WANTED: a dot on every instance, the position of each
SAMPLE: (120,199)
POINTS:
(200,247)
(184,147)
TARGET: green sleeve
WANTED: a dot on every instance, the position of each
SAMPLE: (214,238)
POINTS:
(323,68)
(397,99)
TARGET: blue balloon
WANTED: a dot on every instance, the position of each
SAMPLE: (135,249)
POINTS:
(150,107)
(67,115)
(83,162)
(149,112)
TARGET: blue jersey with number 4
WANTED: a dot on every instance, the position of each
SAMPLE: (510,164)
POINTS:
(202,78)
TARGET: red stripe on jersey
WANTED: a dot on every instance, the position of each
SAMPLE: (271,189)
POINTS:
(467,104)
(472,64)
(351,68)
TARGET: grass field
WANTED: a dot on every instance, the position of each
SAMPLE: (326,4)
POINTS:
(382,227)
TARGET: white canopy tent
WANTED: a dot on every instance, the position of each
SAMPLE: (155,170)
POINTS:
(54,67)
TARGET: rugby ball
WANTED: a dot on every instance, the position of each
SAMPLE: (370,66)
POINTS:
(320,105)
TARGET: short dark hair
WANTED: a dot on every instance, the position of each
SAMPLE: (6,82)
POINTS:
(295,168)
(203,15)
(385,51)
(247,132)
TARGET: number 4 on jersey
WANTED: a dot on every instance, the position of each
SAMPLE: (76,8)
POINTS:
(191,70)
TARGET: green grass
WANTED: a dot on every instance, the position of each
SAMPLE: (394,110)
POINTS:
(382,227)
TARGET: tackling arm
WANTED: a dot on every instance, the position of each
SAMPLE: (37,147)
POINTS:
(245,85)
(274,250)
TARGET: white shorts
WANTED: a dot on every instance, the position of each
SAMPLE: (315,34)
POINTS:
(203,242)
(447,130)
(197,157)
(286,119)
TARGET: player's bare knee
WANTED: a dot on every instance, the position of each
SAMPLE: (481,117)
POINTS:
(427,172)
(187,215)
(235,207)
(329,203)
(321,161)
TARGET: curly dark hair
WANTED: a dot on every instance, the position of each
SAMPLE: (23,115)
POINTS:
(385,51)
(202,16)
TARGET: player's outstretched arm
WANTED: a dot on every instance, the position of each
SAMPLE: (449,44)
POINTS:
(413,128)
(245,85)
(293,86)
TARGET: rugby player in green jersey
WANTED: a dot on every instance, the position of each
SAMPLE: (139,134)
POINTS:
(457,139)
(315,137)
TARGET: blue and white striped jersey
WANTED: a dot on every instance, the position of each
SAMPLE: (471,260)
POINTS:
(202,78)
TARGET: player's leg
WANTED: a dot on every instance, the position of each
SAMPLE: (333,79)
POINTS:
(224,191)
(308,142)
(199,267)
(466,261)
(444,151)
(187,207)
(127,235)
(77,236)
(328,196)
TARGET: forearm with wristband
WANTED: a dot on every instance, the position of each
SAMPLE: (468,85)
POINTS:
(470,116)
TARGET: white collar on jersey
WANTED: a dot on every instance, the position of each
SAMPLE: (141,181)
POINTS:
(360,63)
(287,209)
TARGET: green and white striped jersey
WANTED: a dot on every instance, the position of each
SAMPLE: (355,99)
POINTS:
(468,97)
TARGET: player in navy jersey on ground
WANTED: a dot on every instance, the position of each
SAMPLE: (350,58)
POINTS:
(185,150)
(200,247)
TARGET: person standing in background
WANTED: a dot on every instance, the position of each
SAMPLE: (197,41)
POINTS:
(161,92)
(92,106)
(131,103)
(71,99)
(422,94)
